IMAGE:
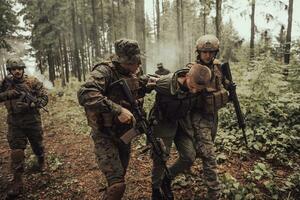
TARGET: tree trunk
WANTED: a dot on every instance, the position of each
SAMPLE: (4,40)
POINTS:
(281,43)
(125,18)
(252,37)
(182,34)
(288,34)
(50,58)
(179,18)
(218,18)
(62,71)
(1,72)
(157,21)
(76,51)
(95,29)
(103,28)
(140,28)
(113,21)
(66,60)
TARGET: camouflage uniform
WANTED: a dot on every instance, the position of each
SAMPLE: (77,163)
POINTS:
(102,101)
(205,115)
(171,111)
(161,70)
(24,119)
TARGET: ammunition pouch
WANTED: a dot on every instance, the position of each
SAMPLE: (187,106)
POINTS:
(215,100)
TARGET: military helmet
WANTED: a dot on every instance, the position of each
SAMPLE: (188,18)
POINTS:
(15,62)
(127,51)
(208,43)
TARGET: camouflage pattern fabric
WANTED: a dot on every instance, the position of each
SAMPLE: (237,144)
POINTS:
(24,123)
(102,103)
(112,158)
(171,112)
(205,130)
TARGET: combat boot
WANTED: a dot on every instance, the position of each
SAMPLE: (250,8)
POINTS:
(156,194)
(114,192)
(167,188)
(16,187)
(17,165)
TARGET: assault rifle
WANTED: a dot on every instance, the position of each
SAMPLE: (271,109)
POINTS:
(143,126)
(25,94)
(233,96)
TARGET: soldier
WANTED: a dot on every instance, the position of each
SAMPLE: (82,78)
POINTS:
(161,70)
(24,119)
(109,114)
(176,95)
(205,116)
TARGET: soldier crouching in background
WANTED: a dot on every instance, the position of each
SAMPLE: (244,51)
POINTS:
(161,70)
(23,97)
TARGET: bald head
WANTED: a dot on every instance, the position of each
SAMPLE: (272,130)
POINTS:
(200,74)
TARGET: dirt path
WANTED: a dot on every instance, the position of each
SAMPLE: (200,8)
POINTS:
(72,172)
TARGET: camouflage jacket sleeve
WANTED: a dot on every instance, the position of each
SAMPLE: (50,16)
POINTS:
(41,93)
(91,94)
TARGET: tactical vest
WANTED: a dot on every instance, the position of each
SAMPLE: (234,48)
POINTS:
(27,83)
(114,93)
(216,96)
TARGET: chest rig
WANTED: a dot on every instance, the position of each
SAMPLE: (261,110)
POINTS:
(215,96)
(25,84)
(114,91)
(107,122)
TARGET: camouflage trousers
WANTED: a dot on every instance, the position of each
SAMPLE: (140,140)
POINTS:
(112,157)
(19,135)
(170,132)
(205,131)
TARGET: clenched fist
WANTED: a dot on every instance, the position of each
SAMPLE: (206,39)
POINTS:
(125,117)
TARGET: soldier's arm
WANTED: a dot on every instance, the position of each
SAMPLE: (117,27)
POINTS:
(91,94)
(7,94)
(42,94)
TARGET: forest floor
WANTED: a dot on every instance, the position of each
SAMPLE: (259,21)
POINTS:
(72,171)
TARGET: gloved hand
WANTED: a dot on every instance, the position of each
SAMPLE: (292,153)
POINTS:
(12,94)
(32,105)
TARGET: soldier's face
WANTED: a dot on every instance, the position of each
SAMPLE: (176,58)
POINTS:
(131,67)
(17,72)
(207,56)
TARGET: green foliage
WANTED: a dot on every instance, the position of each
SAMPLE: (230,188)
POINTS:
(260,171)
(8,23)
(272,112)
(232,189)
